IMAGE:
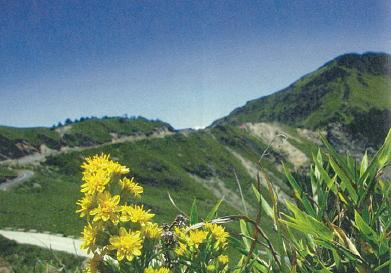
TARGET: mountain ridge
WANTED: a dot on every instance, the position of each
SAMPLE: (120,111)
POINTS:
(341,91)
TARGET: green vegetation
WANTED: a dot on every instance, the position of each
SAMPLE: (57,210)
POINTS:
(177,164)
(28,259)
(341,224)
(6,173)
(98,131)
(336,92)
(45,203)
(17,142)
(349,90)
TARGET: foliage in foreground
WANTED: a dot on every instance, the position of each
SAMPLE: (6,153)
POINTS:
(341,225)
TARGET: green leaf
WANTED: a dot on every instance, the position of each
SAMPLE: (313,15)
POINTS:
(380,267)
(296,188)
(194,213)
(364,164)
(345,179)
(244,231)
(330,182)
(385,151)
(337,158)
(307,224)
(213,212)
(382,157)
(364,227)
(265,206)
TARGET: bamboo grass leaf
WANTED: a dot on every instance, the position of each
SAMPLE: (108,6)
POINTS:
(265,206)
(245,232)
(306,223)
(364,227)
(194,213)
(345,179)
(213,212)
(385,151)
(364,164)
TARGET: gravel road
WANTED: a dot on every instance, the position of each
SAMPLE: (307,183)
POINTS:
(54,242)
(23,175)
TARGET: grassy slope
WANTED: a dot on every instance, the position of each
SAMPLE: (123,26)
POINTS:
(82,133)
(338,91)
(160,165)
(97,131)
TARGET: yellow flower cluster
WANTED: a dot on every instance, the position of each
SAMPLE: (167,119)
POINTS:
(219,234)
(192,239)
(127,244)
(115,227)
(159,270)
(194,243)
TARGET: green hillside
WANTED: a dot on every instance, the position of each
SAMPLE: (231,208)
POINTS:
(18,142)
(353,90)
(203,164)
(186,165)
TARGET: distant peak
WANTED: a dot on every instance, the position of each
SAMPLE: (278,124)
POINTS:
(368,62)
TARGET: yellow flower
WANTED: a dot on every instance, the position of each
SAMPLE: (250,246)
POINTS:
(95,182)
(211,267)
(107,208)
(131,186)
(180,232)
(158,270)
(219,233)
(127,244)
(98,171)
(152,230)
(103,162)
(89,237)
(223,259)
(85,205)
(196,237)
(136,214)
(180,249)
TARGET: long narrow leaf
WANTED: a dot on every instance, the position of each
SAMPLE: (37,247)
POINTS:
(213,212)
(194,213)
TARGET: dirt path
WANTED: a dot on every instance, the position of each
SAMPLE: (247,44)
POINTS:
(23,176)
(49,241)
(37,158)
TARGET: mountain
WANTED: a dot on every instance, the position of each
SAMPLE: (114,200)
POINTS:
(352,91)
(346,99)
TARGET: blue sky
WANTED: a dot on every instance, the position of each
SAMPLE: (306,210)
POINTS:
(184,62)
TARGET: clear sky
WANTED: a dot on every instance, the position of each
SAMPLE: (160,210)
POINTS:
(184,62)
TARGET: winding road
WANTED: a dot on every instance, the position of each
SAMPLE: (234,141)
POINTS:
(37,158)
(23,176)
(49,241)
